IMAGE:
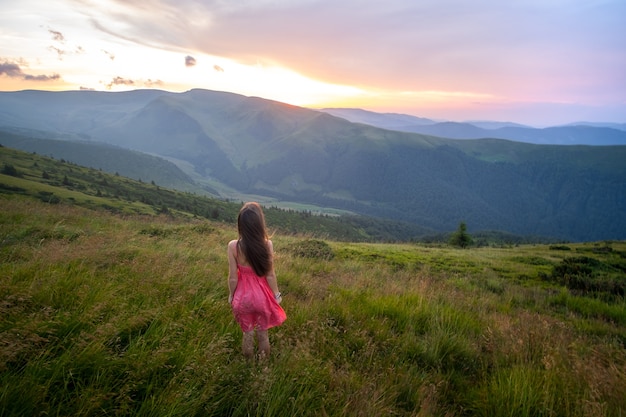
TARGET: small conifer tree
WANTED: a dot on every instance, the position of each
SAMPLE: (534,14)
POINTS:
(461,238)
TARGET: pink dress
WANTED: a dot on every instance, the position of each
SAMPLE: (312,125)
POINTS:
(254,306)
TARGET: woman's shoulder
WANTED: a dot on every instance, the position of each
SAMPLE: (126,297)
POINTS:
(232,246)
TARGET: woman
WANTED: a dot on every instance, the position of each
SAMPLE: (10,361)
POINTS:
(252,283)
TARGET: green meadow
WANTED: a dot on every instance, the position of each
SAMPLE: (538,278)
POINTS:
(115,314)
(113,302)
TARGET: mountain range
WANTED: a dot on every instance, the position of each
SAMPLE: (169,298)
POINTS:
(233,146)
(580,133)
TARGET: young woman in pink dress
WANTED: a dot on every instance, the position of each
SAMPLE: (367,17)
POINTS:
(252,283)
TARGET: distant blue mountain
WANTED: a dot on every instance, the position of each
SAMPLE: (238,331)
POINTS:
(618,126)
(394,121)
(583,133)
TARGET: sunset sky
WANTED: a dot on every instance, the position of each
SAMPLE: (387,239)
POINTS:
(538,62)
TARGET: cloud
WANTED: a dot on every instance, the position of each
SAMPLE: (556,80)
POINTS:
(153,83)
(128,82)
(60,52)
(111,55)
(57,36)
(164,24)
(119,81)
(218,68)
(52,77)
(13,70)
(190,61)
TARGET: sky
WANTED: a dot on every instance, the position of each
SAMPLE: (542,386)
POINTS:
(536,62)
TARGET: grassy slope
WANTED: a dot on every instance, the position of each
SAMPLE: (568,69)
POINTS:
(110,159)
(126,314)
(57,181)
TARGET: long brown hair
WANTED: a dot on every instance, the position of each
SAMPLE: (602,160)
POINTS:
(253,238)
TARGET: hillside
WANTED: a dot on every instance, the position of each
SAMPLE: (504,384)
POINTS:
(126,314)
(108,158)
(237,145)
(60,182)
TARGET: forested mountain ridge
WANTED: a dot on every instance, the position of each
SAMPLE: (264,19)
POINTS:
(30,176)
(262,147)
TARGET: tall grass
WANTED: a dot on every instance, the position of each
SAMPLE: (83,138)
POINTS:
(127,315)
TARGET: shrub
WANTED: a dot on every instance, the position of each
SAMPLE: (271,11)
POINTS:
(49,197)
(559,247)
(588,276)
(156,231)
(313,248)
(9,169)
(12,188)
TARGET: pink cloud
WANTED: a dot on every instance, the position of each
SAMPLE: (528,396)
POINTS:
(13,70)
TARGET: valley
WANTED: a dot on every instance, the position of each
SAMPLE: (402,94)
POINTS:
(235,147)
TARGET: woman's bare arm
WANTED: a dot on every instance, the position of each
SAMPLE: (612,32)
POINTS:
(271,275)
(232,269)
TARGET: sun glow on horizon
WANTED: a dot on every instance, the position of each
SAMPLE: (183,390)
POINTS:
(280,84)
(543,70)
